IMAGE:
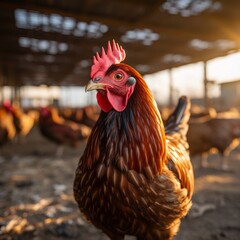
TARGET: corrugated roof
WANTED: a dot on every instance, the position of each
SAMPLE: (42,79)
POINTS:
(52,41)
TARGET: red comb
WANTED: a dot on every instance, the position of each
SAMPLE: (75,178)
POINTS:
(7,105)
(115,54)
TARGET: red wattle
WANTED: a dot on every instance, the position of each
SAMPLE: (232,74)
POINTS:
(103,102)
(118,102)
(112,100)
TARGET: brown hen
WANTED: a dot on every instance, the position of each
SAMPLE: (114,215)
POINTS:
(7,128)
(221,133)
(61,131)
(135,176)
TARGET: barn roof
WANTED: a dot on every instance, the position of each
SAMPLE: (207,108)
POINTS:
(52,41)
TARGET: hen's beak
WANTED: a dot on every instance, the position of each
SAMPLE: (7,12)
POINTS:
(94,86)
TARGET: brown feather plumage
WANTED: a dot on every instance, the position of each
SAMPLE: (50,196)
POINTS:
(133,178)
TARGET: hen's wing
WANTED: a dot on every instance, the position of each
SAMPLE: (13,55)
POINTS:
(176,128)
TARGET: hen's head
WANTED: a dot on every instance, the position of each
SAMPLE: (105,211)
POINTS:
(8,106)
(45,111)
(113,80)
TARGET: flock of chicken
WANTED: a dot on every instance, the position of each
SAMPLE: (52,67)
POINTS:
(212,132)
(135,176)
(62,126)
(209,131)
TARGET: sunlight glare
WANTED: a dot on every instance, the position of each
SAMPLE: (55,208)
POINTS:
(225,69)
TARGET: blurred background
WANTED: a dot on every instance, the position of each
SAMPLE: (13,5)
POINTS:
(181,47)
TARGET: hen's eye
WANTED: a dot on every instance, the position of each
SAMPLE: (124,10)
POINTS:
(118,76)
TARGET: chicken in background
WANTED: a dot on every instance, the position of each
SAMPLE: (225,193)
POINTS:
(205,135)
(135,177)
(196,112)
(24,122)
(221,133)
(200,111)
(7,128)
(90,115)
(61,131)
(87,115)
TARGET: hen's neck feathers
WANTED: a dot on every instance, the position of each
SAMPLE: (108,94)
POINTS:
(133,138)
(149,125)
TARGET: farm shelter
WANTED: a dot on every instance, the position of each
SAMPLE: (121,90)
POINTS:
(50,43)
(230,94)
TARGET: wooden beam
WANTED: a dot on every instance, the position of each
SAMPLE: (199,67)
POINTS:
(115,23)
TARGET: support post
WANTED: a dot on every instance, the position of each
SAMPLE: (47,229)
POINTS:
(170,87)
(1,84)
(205,82)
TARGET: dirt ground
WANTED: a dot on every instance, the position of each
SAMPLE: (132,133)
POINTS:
(36,199)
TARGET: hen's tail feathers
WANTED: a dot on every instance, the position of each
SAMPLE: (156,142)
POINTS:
(177,122)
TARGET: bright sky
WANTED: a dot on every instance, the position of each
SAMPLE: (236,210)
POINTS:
(188,80)
(225,68)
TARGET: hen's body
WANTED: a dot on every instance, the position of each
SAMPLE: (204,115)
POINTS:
(24,122)
(221,133)
(61,131)
(7,129)
(86,116)
(132,178)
